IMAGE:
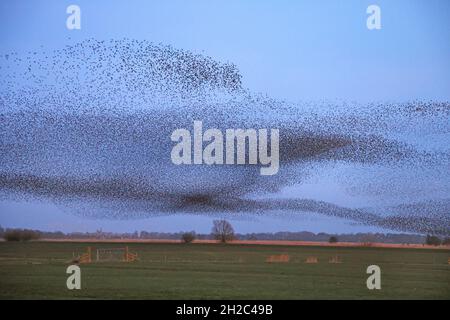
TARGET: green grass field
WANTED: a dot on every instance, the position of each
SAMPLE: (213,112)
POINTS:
(37,270)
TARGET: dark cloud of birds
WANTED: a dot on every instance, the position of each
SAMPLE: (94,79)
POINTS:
(89,126)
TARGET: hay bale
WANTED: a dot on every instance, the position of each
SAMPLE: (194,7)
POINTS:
(278,258)
(312,260)
(335,259)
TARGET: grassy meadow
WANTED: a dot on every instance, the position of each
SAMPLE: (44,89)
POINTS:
(37,270)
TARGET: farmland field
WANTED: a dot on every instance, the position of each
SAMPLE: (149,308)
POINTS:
(37,270)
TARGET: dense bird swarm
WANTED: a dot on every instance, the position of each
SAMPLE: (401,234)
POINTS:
(89,126)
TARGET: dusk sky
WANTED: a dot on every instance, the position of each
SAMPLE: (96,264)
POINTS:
(316,58)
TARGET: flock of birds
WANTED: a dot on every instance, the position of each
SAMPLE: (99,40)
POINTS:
(88,127)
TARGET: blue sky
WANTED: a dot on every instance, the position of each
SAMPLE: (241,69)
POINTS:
(290,50)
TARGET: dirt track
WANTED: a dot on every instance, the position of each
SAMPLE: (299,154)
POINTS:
(262,242)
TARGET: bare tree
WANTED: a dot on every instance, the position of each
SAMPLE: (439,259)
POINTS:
(333,239)
(432,240)
(188,237)
(368,240)
(222,230)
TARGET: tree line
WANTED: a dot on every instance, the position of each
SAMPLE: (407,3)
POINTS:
(223,231)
